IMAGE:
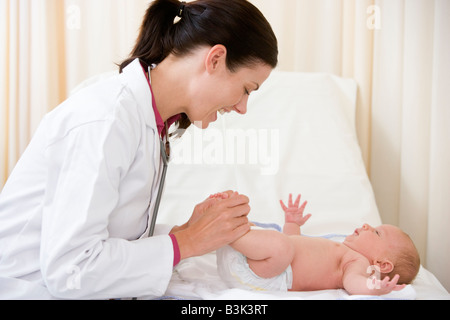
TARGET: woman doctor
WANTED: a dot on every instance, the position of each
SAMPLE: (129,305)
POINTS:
(76,210)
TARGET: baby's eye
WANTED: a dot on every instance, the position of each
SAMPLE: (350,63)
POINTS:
(377,232)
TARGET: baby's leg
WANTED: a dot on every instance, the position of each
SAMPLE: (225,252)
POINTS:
(268,252)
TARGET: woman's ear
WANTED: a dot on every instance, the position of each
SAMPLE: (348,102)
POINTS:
(216,58)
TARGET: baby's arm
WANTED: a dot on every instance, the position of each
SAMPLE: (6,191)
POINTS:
(357,280)
(293,216)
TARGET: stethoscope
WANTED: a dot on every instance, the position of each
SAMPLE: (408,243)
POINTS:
(165,157)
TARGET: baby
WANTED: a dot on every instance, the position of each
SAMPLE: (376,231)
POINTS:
(371,261)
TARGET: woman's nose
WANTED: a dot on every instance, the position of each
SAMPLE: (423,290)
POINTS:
(241,107)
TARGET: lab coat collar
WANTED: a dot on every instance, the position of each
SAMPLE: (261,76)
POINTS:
(137,82)
(134,78)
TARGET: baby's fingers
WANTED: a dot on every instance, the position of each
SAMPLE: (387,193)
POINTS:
(303,206)
(297,201)
(386,283)
(290,200)
(393,283)
(283,206)
(394,279)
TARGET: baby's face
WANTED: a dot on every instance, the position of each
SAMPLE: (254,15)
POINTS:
(374,243)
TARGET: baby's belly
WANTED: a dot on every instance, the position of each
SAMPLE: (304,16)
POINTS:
(316,264)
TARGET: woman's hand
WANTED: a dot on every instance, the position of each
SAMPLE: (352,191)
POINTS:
(217,221)
(201,208)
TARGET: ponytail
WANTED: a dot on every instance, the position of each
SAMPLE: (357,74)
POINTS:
(154,43)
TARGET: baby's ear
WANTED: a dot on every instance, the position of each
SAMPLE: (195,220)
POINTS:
(385,265)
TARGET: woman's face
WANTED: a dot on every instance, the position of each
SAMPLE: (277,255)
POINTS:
(219,89)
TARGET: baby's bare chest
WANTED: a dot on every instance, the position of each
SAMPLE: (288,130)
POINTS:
(318,264)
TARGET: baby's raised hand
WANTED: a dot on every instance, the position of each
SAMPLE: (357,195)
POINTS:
(293,213)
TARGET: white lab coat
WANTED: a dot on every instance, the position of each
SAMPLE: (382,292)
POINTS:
(74,212)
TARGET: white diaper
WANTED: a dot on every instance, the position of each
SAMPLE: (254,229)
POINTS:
(234,270)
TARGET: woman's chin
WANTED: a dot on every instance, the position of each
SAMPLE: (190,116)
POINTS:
(203,124)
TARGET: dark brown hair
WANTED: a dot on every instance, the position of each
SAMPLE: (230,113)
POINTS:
(236,24)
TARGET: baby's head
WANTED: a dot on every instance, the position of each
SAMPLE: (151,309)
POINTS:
(389,248)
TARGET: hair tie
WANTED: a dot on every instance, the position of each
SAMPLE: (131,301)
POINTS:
(181,9)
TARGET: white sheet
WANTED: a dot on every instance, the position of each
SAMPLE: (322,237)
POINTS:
(297,137)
